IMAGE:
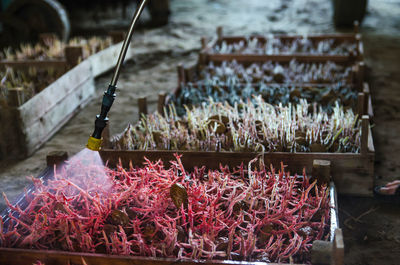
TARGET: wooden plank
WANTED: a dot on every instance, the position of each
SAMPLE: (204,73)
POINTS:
(59,65)
(361,75)
(117,36)
(161,102)
(142,105)
(360,103)
(49,97)
(364,134)
(321,171)
(56,158)
(193,73)
(12,139)
(181,74)
(370,108)
(45,113)
(203,41)
(321,252)
(106,59)
(368,101)
(334,211)
(338,37)
(50,122)
(371,146)
(241,58)
(338,248)
(28,256)
(220,33)
(290,85)
(360,47)
(203,58)
(73,55)
(350,37)
(15,96)
(352,173)
(49,257)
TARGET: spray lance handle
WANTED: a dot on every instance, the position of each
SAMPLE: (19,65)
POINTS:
(95,141)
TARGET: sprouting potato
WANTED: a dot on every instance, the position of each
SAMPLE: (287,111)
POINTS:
(254,126)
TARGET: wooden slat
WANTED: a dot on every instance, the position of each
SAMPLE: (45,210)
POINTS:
(59,65)
(49,97)
(56,158)
(161,102)
(117,36)
(321,171)
(340,37)
(50,257)
(352,173)
(243,58)
(15,96)
(290,85)
(45,113)
(106,59)
(370,108)
(142,106)
(334,211)
(194,73)
(220,33)
(338,248)
(181,74)
(365,132)
(28,256)
(12,139)
(368,102)
(371,146)
(360,103)
(50,122)
(73,54)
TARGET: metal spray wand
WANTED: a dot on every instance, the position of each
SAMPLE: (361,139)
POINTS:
(95,141)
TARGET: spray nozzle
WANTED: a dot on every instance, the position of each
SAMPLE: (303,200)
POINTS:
(94,142)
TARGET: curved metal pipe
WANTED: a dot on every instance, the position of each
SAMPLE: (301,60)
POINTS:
(95,141)
(126,43)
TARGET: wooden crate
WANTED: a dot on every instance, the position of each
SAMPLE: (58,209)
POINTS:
(207,48)
(353,173)
(106,59)
(322,252)
(364,102)
(191,73)
(101,61)
(362,107)
(28,125)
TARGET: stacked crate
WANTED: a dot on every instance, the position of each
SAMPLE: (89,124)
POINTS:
(352,172)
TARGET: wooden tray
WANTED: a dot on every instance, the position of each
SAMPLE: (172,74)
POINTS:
(207,48)
(322,252)
(363,106)
(101,61)
(352,173)
(191,73)
(27,126)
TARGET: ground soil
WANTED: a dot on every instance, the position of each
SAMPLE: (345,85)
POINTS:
(374,238)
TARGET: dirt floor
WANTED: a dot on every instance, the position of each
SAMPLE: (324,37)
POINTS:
(371,229)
